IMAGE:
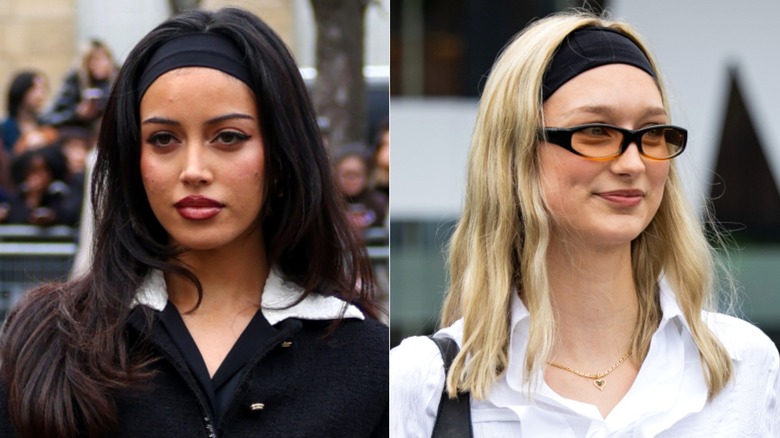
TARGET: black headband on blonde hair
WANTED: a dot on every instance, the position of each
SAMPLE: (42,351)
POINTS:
(588,48)
(195,50)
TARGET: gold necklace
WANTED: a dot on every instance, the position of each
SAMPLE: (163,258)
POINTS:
(598,379)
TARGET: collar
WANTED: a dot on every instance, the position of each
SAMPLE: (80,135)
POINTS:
(671,369)
(520,323)
(278,300)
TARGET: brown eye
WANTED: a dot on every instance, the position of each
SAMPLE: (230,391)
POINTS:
(595,131)
(231,137)
(161,139)
(654,133)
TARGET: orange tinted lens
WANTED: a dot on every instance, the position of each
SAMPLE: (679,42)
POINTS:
(597,141)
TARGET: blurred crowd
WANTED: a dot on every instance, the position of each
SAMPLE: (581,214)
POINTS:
(363,175)
(45,145)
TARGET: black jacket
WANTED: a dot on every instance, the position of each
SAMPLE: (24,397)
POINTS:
(299,384)
(63,112)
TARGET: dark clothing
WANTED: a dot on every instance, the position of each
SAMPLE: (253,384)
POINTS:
(220,388)
(62,199)
(10,132)
(371,205)
(295,384)
(63,112)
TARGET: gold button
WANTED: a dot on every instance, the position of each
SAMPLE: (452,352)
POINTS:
(286,344)
(257,406)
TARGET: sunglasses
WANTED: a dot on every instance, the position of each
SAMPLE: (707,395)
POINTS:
(604,142)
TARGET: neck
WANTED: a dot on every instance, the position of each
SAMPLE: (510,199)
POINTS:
(594,300)
(25,116)
(232,278)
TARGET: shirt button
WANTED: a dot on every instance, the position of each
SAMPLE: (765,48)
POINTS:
(257,406)
(286,344)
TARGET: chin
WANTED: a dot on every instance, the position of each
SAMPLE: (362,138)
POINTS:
(201,241)
(216,238)
(200,245)
(620,234)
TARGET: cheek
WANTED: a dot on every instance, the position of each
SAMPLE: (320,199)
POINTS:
(659,173)
(150,177)
(248,176)
(657,176)
(559,181)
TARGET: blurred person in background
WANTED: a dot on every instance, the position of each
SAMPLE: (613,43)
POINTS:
(76,143)
(583,291)
(367,207)
(227,294)
(5,185)
(23,128)
(380,176)
(84,93)
(44,194)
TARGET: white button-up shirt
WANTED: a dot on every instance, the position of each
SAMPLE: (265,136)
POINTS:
(667,399)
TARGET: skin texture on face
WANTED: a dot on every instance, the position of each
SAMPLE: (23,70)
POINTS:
(352,175)
(100,64)
(36,96)
(603,202)
(39,176)
(202,153)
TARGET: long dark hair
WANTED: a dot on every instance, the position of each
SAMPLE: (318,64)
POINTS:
(64,353)
(53,158)
(20,85)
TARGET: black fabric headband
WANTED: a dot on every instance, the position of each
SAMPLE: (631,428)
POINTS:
(588,48)
(195,50)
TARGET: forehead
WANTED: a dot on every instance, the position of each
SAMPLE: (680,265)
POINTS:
(614,90)
(209,75)
(98,53)
(198,87)
(351,161)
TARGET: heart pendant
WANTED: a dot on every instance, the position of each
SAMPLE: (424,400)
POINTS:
(600,384)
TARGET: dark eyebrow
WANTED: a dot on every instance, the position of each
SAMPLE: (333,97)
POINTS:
(161,121)
(231,116)
(218,119)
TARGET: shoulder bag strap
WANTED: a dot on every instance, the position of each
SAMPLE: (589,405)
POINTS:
(453,420)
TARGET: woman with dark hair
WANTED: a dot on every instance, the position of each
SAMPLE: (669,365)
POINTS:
(23,128)
(43,195)
(367,207)
(227,296)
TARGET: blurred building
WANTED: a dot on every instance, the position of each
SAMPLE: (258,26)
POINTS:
(46,34)
(719,69)
(36,33)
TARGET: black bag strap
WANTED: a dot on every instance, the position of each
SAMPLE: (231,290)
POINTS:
(453,420)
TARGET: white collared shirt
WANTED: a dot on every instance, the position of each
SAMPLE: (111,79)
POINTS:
(277,296)
(667,399)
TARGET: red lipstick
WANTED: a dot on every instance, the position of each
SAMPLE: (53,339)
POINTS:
(623,198)
(198,208)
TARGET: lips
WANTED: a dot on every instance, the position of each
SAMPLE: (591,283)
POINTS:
(198,208)
(623,198)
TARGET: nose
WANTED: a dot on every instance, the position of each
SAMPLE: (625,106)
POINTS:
(195,170)
(630,162)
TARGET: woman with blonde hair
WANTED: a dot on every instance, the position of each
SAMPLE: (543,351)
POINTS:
(583,288)
(84,94)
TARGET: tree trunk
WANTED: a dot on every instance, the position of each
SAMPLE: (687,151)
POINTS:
(183,5)
(339,90)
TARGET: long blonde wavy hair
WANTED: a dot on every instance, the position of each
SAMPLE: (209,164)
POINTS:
(499,246)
